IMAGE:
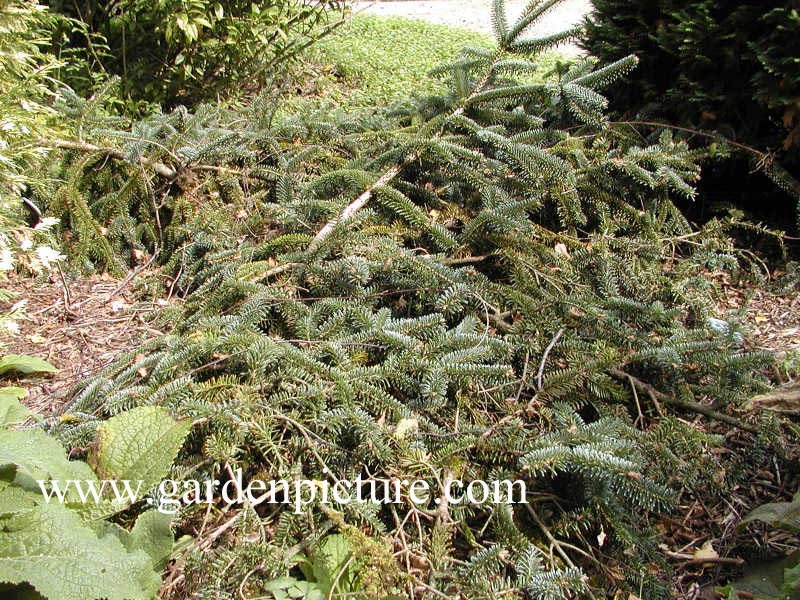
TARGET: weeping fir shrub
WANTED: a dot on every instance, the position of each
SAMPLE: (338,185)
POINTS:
(493,283)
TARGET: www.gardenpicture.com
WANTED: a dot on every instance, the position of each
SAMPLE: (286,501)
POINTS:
(171,494)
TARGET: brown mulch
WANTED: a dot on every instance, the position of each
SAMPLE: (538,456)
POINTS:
(80,328)
(773,319)
(707,525)
(703,538)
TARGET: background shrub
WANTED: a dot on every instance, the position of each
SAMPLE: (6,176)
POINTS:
(730,67)
(182,51)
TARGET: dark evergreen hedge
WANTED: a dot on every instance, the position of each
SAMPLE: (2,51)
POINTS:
(723,66)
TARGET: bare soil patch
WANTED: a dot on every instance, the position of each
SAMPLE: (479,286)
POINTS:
(80,328)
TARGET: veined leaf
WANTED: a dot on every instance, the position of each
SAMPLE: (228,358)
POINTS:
(39,456)
(139,445)
(12,411)
(289,588)
(53,550)
(22,363)
(152,534)
(784,515)
(329,565)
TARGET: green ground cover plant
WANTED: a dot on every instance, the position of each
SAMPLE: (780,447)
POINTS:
(363,57)
(491,282)
(66,548)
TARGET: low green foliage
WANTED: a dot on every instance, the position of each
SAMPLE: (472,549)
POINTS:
(62,549)
(289,588)
(783,515)
(789,364)
(112,217)
(488,283)
(330,571)
(11,411)
(24,71)
(39,545)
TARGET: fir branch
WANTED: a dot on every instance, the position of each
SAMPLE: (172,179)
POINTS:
(358,203)
(702,409)
(162,169)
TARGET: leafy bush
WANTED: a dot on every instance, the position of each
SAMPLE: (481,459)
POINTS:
(731,67)
(182,51)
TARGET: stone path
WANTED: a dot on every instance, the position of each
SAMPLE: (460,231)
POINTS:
(476,14)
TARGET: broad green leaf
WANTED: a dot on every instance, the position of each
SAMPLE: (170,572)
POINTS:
(139,445)
(34,456)
(332,556)
(12,497)
(11,410)
(25,364)
(328,564)
(772,580)
(191,31)
(289,588)
(52,549)
(152,534)
(784,515)
(39,456)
